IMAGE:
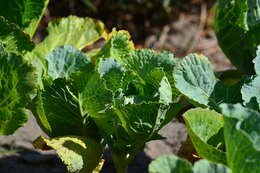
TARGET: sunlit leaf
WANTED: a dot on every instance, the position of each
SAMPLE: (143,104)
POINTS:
(17,84)
(79,154)
(205,129)
(194,78)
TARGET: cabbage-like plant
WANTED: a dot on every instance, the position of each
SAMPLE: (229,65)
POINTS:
(120,97)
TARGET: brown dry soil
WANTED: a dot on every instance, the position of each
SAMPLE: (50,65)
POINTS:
(188,32)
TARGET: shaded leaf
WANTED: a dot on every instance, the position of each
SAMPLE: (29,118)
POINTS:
(115,98)
(98,100)
(187,151)
(13,39)
(142,120)
(237,28)
(229,77)
(24,13)
(58,110)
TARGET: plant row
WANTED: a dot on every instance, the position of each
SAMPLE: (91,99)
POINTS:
(120,97)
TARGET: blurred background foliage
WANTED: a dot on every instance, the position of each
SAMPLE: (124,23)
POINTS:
(139,17)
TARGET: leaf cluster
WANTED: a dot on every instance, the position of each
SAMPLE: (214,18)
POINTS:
(114,95)
(225,129)
(120,97)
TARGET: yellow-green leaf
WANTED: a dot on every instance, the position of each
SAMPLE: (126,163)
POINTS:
(79,154)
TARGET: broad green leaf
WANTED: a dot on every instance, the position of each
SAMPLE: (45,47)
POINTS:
(237,28)
(13,39)
(100,92)
(205,130)
(65,60)
(79,154)
(242,138)
(143,61)
(152,69)
(17,84)
(59,112)
(142,120)
(74,31)
(98,100)
(172,164)
(194,78)
(24,13)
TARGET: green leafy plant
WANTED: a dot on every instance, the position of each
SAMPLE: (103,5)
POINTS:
(18,22)
(120,97)
(237,28)
(114,95)
(225,133)
(241,137)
